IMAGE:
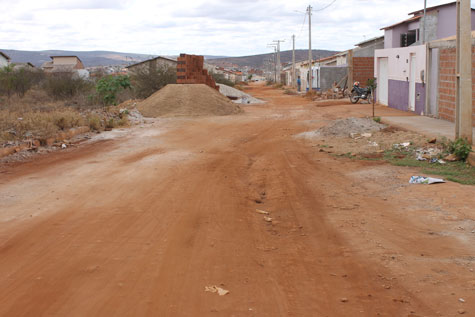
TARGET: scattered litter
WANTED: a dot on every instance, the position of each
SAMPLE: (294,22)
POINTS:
(373,143)
(366,135)
(423,154)
(425,180)
(401,145)
(344,300)
(262,212)
(216,289)
(268,219)
(461,300)
(63,146)
(436,160)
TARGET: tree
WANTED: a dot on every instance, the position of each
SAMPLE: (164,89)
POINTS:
(371,84)
(108,88)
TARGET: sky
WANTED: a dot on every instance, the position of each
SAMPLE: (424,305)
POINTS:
(212,27)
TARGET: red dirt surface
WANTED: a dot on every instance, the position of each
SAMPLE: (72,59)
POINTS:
(139,225)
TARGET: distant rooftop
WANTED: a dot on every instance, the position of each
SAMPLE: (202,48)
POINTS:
(152,59)
(374,39)
(5,55)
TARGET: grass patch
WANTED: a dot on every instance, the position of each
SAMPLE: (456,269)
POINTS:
(459,172)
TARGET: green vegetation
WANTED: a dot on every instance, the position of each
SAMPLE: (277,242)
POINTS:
(109,86)
(460,147)
(459,172)
(377,119)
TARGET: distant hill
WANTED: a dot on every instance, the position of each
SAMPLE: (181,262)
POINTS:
(257,61)
(109,58)
(91,58)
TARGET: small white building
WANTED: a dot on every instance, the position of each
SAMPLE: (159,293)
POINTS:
(4,60)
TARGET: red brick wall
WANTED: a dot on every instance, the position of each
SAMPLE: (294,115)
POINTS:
(363,69)
(447,81)
(189,70)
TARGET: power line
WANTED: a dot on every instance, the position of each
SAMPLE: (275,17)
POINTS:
(327,6)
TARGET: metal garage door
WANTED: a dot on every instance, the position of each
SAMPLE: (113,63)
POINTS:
(382,88)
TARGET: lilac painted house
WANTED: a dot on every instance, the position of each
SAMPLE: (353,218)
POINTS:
(400,68)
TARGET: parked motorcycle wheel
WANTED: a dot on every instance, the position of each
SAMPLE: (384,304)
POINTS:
(354,97)
(370,99)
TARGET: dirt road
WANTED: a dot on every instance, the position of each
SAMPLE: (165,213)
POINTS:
(140,223)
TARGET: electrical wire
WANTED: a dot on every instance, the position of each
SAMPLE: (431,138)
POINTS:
(303,24)
(325,7)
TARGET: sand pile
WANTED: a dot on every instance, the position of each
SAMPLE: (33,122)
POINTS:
(187,100)
(238,95)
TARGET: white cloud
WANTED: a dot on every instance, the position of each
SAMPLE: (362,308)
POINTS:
(222,27)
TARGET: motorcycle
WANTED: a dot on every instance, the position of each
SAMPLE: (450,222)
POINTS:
(358,93)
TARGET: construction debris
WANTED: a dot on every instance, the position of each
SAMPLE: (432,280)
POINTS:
(338,91)
(216,289)
(237,95)
(263,212)
(349,127)
(425,180)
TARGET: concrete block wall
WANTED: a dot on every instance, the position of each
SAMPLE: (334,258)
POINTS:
(363,69)
(447,84)
(189,70)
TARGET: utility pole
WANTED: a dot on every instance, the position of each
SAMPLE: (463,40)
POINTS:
(274,45)
(463,107)
(293,62)
(309,10)
(279,65)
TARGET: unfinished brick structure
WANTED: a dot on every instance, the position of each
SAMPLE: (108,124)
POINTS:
(447,82)
(363,69)
(190,70)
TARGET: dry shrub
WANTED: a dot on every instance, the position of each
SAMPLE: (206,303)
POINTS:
(66,85)
(146,80)
(94,122)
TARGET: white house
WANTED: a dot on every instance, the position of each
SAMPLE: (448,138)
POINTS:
(4,60)
(401,67)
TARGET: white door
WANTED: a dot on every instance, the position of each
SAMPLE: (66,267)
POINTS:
(412,83)
(382,83)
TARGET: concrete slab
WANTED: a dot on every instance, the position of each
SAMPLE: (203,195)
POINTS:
(433,128)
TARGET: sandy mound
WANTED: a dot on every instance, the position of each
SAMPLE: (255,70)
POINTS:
(344,127)
(187,100)
(240,96)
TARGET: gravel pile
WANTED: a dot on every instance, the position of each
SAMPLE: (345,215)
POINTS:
(241,96)
(344,127)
